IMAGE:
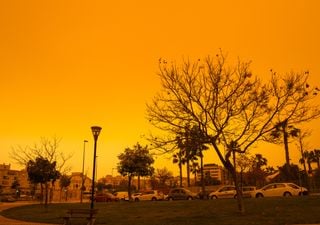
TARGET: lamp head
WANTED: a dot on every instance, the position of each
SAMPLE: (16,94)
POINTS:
(95,131)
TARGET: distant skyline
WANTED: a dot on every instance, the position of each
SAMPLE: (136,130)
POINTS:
(68,65)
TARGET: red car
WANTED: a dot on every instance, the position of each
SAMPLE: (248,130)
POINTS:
(106,197)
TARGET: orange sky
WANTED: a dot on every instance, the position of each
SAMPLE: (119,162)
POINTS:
(68,65)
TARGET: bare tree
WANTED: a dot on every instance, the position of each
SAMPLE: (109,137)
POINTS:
(47,149)
(231,107)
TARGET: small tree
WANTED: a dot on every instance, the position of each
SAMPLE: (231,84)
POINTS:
(163,176)
(244,163)
(16,186)
(257,173)
(42,171)
(65,182)
(292,175)
(135,162)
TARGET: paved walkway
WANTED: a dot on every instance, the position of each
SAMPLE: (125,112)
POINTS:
(7,221)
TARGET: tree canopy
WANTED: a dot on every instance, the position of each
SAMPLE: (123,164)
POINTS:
(136,161)
(47,148)
(42,171)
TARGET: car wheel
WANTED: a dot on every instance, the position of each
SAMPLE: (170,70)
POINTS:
(154,199)
(235,196)
(136,199)
(213,197)
(259,195)
(287,194)
(189,198)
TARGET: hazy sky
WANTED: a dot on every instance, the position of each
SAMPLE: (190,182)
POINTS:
(68,65)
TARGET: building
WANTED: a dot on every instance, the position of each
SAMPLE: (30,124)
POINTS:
(73,191)
(9,177)
(215,171)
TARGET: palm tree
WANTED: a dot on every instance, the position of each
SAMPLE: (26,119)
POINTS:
(178,158)
(317,157)
(308,157)
(195,169)
(285,131)
(303,160)
(259,161)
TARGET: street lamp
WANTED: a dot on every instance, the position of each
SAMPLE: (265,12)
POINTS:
(82,176)
(95,131)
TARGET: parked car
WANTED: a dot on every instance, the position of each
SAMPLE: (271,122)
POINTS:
(133,196)
(152,195)
(249,191)
(203,194)
(106,197)
(181,194)
(7,198)
(121,195)
(225,191)
(281,189)
(229,191)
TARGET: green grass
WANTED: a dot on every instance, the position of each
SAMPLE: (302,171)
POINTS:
(264,211)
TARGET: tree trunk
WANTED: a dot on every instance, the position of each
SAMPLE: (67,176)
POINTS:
(46,195)
(304,165)
(180,170)
(228,165)
(239,193)
(286,145)
(203,187)
(129,187)
(138,182)
(41,193)
(309,167)
(188,172)
(238,188)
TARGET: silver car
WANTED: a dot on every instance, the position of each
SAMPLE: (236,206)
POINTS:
(229,191)
(181,194)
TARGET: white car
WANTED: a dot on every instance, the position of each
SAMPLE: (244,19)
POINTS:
(229,191)
(152,195)
(281,189)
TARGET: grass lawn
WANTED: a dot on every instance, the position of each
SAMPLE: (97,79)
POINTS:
(264,211)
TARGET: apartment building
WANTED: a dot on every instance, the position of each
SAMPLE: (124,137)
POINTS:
(8,177)
(215,171)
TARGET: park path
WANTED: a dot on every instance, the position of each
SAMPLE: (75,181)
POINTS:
(7,221)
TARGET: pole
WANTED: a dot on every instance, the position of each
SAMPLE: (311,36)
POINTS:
(82,181)
(93,173)
(95,131)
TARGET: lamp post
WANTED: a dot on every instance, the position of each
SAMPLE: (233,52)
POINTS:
(95,131)
(82,176)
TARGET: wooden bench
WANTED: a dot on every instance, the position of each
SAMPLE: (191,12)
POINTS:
(88,214)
